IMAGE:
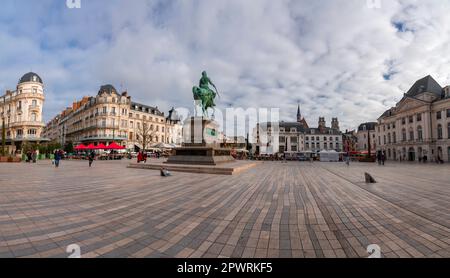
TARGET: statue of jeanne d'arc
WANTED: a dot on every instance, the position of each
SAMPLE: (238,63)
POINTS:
(205,94)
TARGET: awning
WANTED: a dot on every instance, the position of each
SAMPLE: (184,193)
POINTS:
(80,147)
(91,147)
(101,147)
(114,146)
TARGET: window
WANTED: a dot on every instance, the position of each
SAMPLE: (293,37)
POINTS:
(325,139)
(19,132)
(294,140)
(34,90)
(307,138)
(325,146)
(419,117)
(411,134)
(438,115)
(33,117)
(389,138)
(403,121)
(104,123)
(448,131)
(403,134)
(34,103)
(439,131)
(331,145)
(384,140)
(307,144)
(32,132)
(104,110)
(411,119)
(394,137)
(294,148)
(448,113)
(419,133)
(317,138)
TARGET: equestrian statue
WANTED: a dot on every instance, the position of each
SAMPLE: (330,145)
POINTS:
(204,94)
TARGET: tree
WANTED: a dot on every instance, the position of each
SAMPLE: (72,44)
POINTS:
(68,148)
(145,134)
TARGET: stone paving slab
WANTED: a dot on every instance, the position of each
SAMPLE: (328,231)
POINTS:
(300,210)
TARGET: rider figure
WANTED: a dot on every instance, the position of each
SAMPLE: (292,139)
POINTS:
(205,81)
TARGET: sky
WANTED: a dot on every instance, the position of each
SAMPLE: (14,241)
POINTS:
(350,59)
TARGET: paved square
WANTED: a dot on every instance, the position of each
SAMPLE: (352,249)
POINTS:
(273,210)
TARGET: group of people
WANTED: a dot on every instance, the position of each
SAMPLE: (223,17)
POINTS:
(381,157)
(59,155)
(31,156)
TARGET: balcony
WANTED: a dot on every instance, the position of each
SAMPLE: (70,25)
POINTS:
(103,137)
(26,123)
(35,108)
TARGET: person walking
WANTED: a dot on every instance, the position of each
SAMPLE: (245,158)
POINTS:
(34,156)
(91,158)
(379,157)
(139,157)
(383,158)
(57,158)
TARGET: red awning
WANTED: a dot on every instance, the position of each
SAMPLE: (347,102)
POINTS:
(101,147)
(91,147)
(80,147)
(114,146)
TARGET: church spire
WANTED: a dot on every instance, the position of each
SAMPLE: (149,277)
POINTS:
(299,114)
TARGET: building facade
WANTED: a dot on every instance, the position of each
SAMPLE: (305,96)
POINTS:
(21,113)
(419,125)
(366,136)
(111,117)
(297,137)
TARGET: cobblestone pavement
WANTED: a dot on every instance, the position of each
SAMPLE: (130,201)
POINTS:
(273,210)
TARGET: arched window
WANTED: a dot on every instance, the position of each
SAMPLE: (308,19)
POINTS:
(419,133)
(439,131)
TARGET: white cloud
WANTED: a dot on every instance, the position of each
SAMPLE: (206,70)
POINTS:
(329,55)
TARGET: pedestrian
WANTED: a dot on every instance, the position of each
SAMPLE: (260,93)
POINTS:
(34,156)
(145,155)
(347,159)
(91,158)
(57,158)
(379,157)
(139,157)
(383,157)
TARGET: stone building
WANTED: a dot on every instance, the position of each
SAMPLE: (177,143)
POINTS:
(110,117)
(366,131)
(419,125)
(21,112)
(298,137)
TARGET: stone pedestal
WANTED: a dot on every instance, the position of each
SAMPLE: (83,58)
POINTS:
(201,144)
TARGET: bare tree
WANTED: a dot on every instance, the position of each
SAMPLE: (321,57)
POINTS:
(145,134)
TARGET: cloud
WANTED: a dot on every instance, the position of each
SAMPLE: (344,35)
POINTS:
(338,57)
